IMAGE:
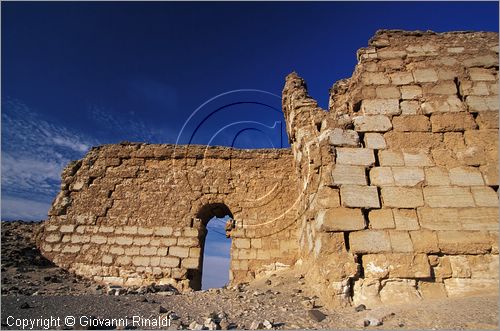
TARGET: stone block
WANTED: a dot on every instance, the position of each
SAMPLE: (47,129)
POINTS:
(411,92)
(141,261)
(355,156)
(387,92)
(448,196)
(484,196)
(188,241)
(339,137)
(374,78)
(388,53)
(169,261)
(374,123)
(381,219)
(442,88)
(409,107)
(431,290)
(401,78)
(481,61)
(481,74)
(436,176)
(487,120)
(380,107)
(179,251)
(408,176)
(139,241)
(400,242)
(425,75)
(402,197)
(241,243)
(347,174)
(439,218)
(391,158)
(460,267)
(413,140)
(190,263)
(483,266)
(366,291)
(340,219)
(413,123)
(479,218)
(424,241)
(329,243)
(374,141)
(395,291)
(463,242)
(490,173)
(405,219)
(164,231)
(98,239)
(326,197)
(448,122)
(381,176)
(461,287)
(369,241)
(466,176)
(67,228)
(482,103)
(359,196)
(444,104)
(396,265)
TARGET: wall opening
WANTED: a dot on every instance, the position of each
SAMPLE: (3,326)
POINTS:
(215,248)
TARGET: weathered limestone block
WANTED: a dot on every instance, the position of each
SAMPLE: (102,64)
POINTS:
(401,78)
(424,241)
(436,176)
(461,287)
(410,92)
(439,218)
(412,123)
(399,291)
(370,241)
(402,197)
(380,107)
(375,78)
(481,74)
(373,123)
(359,196)
(387,92)
(408,176)
(355,156)
(400,242)
(179,251)
(419,140)
(409,107)
(431,290)
(487,120)
(405,219)
(340,219)
(381,176)
(481,61)
(463,242)
(391,158)
(346,174)
(443,104)
(329,243)
(448,122)
(483,266)
(466,176)
(425,75)
(381,219)
(366,291)
(339,137)
(442,87)
(460,267)
(374,141)
(326,197)
(482,103)
(484,196)
(396,265)
(478,218)
(448,196)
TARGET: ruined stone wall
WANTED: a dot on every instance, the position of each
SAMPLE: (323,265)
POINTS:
(133,214)
(401,199)
(390,195)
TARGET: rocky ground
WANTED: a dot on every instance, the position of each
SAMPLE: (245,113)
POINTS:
(32,287)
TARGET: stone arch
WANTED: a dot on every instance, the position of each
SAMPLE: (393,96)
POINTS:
(205,213)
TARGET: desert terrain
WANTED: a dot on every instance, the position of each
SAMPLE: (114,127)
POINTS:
(33,287)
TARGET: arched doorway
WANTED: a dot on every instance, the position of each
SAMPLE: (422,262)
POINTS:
(215,247)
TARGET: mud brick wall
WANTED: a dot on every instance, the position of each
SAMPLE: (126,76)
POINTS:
(133,214)
(401,199)
(390,195)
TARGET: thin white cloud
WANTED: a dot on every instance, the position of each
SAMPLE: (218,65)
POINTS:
(24,209)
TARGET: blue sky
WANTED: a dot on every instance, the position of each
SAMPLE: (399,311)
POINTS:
(76,75)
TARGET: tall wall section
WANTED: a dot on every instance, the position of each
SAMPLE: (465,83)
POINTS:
(133,214)
(401,174)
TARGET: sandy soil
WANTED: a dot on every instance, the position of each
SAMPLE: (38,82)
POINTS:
(32,287)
